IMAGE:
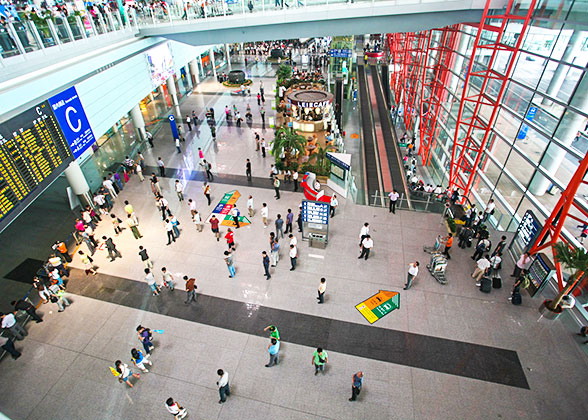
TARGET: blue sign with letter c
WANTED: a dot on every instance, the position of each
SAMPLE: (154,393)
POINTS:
(74,124)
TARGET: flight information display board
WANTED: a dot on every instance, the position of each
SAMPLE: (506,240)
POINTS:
(33,152)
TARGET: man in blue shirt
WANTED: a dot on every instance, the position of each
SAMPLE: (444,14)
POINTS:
(356,385)
(273,350)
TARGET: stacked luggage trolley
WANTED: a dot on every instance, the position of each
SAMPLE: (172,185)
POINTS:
(438,263)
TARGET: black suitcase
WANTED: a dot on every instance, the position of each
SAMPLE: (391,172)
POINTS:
(517,298)
(486,285)
(496,281)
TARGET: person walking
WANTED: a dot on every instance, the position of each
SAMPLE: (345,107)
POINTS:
(500,246)
(289,221)
(333,205)
(168,279)
(111,247)
(145,258)
(198,221)
(7,344)
(139,171)
(116,223)
(356,384)
(149,138)
(250,206)
(130,211)
(262,113)
(189,122)
(206,191)
(124,373)
(393,197)
(365,231)
(366,246)
(277,188)
(139,360)
(248,170)
(175,409)
(279,226)
(483,246)
(9,323)
(61,248)
(178,147)
(207,168)
(274,333)
(264,214)
(489,210)
(293,257)
(192,206)
(229,262)
(23,305)
(230,238)
(223,385)
(274,352)
(179,190)
(319,359)
(161,167)
(235,213)
(263,146)
(299,219)
(275,252)
(321,290)
(155,187)
(295,180)
(169,229)
(132,224)
(448,244)
(145,337)
(413,270)
(175,223)
(190,290)
(266,265)
(150,279)
(214,227)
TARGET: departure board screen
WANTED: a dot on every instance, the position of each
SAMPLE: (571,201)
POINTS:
(33,152)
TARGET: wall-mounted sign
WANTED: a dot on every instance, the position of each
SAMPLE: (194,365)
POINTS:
(73,121)
(161,64)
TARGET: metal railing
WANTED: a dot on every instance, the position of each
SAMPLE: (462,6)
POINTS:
(26,36)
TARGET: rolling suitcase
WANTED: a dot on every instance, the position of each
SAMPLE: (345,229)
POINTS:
(496,281)
(485,285)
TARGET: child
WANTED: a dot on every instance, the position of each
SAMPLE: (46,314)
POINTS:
(125,373)
(139,360)
(168,279)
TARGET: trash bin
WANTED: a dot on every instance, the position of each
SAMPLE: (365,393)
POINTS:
(317,240)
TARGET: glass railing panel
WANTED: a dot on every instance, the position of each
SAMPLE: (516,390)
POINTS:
(8,47)
(26,37)
(75,29)
(61,30)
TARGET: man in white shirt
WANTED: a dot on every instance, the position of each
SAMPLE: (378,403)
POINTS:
(179,190)
(489,210)
(223,385)
(293,240)
(366,246)
(264,214)
(334,203)
(250,206)
(139,171)
(293,256)
(295,179)
(161,167)
(393,196)
(235,213)
(197,221)
(9,323)
(321,290)
(169,228)
(365,231)
(413,270)
(108,185)
(192,205)
(482,266)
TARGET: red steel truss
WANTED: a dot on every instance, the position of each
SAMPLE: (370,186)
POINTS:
(396,48)
(439,58)
(483,90)
(414,55)
(551,232)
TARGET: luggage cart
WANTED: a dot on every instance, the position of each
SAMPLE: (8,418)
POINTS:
(437,267)
(435,248)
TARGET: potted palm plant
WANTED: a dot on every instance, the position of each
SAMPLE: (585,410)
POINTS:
(575,260)
(288,141)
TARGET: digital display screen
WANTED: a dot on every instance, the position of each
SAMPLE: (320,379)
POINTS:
(161,64)
(33,152)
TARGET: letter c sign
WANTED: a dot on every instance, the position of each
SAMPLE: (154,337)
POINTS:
(78,126)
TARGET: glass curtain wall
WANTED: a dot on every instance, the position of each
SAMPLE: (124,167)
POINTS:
(541,130)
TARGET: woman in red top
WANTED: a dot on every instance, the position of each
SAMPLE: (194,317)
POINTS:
(230,239)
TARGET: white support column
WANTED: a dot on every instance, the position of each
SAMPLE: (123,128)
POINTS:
(228,54)
(173,93)
(188,77)
(199,58)
(211,56)
(194,71)
(77,181)
(138,121)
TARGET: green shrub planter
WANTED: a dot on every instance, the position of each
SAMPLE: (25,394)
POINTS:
(247,82)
